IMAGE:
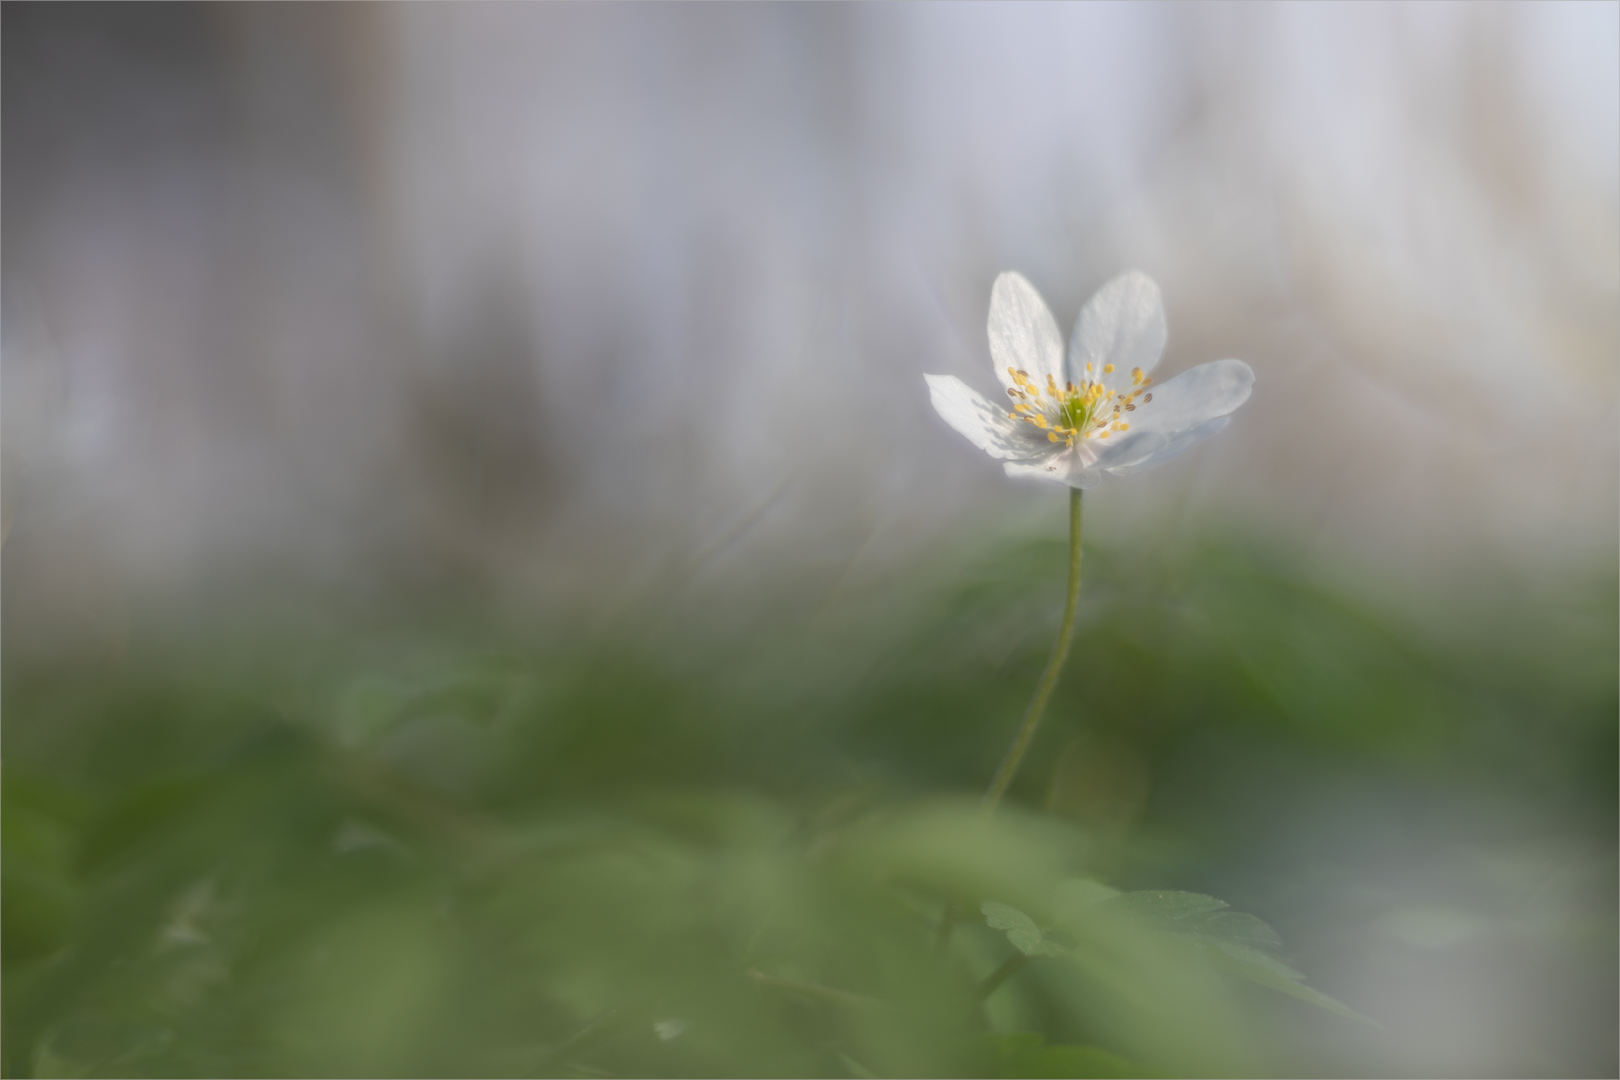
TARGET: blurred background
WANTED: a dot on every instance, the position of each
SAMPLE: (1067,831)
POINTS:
(464,417)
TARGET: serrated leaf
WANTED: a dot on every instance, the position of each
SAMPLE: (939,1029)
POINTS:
(1239,943)
(1240,927)
(1247,955)
(1265,971)
(1197,915)
(1019,927)
(1169,906)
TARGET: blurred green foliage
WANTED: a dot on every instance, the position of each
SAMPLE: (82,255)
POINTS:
(673,850)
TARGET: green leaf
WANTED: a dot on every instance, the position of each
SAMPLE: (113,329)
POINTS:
(1240,944)
(1246,955)
(1185,908)
(1020,929)
(1025,1054)
(1241,928)
(1266,971)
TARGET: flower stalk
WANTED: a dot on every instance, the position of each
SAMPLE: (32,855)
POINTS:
(1054,665)
(1073,417)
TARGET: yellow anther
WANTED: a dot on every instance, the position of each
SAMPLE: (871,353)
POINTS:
(1051,436)
(1102,434)
(1136,375)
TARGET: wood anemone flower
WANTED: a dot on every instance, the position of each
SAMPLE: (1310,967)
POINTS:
(1101,412)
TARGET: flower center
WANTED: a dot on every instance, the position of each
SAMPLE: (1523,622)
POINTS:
(1071,413)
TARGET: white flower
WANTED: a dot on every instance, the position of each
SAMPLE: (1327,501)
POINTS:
(1104,413)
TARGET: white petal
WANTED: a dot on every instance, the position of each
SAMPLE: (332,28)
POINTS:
(1023,334)
(1193,397)
(1122,325)
(1073,465)
(1064,468)
(1173,445)
(1126,449)
(989,428)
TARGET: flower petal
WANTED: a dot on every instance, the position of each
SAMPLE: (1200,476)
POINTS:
(1121,325)
(1065,468)
(1193,397)
(1023,334)
(1125,450)
(989,428)
(1173,445)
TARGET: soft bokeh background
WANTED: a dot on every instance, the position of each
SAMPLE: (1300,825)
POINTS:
(368,366)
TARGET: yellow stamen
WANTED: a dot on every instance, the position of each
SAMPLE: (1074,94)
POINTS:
(1108,369)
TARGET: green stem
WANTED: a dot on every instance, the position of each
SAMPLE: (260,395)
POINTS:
(1032,716)
(1060,652)
(1007,970)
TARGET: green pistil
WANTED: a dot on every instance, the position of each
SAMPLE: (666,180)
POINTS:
(1074,411)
